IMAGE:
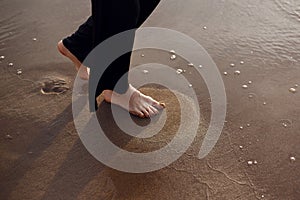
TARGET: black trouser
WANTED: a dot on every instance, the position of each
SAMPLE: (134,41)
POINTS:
(109,17)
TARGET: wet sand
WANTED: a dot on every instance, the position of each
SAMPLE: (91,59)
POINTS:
(42,156)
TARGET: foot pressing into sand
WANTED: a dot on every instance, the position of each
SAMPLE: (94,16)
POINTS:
(135,102)
(82,70)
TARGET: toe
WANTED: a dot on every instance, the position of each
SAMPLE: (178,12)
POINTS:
(156,104)
(150,111)
(145,112)
(138,113)
(159,105)
(163,105)
(154,110)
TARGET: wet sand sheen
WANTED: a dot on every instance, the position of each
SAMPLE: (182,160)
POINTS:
(256,156)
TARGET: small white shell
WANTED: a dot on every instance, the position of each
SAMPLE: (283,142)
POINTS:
(293,90)
(173,57)
(172,51)
(19,71)
(292,158)
(179,71)
(237,72)
(191,65)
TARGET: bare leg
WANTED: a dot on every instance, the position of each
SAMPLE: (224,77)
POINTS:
(83,71)
(135,102)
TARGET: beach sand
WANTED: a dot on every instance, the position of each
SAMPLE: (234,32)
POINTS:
(42,156)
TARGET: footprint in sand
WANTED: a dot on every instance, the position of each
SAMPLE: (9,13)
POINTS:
(54,86)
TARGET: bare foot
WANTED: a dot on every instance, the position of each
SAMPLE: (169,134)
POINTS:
(135,102)
(82,70)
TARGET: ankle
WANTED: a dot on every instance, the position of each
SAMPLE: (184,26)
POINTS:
(60,47)
(107,95)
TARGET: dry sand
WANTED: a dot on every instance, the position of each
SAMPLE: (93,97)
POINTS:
(42,156)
